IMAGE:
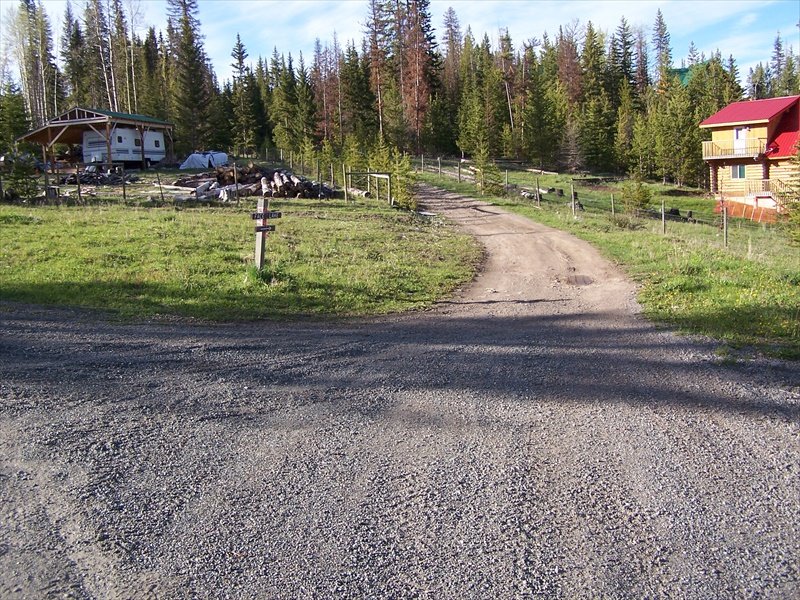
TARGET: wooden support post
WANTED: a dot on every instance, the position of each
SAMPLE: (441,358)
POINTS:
(333,181)
(291,160)
(319,176)
(663,217)
(439,158)
(505,189)
(459,171)
(368,184)
(44,160)
(108,145)
(612,206)
(389,190)
(423,163)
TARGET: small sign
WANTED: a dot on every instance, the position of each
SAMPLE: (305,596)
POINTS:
(265,228)
(266,215)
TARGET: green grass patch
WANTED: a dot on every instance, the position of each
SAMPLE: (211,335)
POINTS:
(326,258)
(745,295)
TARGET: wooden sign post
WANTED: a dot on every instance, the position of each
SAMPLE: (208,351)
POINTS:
(262,228)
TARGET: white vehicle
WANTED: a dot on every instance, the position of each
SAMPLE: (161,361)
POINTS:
(126,146)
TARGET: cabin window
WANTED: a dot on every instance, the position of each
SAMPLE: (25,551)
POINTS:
(119,139)
(137,142)
(158,143)
(737,172)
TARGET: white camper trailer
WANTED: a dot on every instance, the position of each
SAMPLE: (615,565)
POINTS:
(126,146)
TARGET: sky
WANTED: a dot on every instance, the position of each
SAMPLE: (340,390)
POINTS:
(745,29)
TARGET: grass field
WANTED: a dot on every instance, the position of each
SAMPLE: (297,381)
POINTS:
(747,295)
(325,258)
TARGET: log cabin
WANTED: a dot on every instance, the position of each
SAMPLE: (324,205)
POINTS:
(750,155)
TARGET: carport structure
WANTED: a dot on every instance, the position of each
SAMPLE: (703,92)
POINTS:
(68,128)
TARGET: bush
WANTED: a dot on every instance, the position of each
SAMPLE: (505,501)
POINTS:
(19,180)
(635,196)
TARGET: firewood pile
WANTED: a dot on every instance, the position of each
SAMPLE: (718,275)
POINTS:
(224,184)
(94,176)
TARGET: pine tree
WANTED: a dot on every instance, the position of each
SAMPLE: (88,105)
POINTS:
(623,139)
(661,47)
(421,66)
(284,107)
(73,56)
(789,82)
(191,93)
(569,66)
(306,118)
(379,39)
(759,82)
(777,64)
(14,120)
(452,41)
(359,108)
(243,117)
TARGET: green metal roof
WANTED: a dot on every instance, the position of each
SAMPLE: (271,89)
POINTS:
(129,116)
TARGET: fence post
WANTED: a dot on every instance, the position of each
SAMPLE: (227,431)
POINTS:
(78,181)
(506,187)
(344,176)
(291,160)
(572,196)
(725,225)
(440,165)
(423,163)
(389,190)
(663,217)
(333,181)
(459,171)
(124,191)
(612,205)
(236,183)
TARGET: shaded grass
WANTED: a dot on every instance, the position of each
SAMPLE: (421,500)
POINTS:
(745,295)
(326,258)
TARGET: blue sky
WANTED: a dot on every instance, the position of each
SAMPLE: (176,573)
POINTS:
(744,28)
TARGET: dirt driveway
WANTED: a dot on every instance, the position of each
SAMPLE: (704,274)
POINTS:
(530,437)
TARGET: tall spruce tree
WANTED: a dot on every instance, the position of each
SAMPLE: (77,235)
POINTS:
(191,92)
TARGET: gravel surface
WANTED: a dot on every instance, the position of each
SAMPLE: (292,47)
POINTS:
(531,437)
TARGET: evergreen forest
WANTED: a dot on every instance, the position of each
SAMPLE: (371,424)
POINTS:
(578,99)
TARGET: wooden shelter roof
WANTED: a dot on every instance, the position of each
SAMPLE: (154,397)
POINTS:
(68,127)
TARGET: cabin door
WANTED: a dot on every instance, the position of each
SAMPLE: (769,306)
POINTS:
(739,140)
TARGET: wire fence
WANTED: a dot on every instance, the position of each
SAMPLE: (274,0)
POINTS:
(674,210)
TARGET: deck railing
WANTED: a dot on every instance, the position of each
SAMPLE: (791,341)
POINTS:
(750,148)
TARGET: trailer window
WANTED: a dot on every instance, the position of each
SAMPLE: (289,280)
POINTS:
(119,139)
(137,142)
(158,143)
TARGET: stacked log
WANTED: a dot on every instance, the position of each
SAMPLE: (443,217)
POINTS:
(251,181)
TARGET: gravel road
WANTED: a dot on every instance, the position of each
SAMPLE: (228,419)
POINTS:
(531,437)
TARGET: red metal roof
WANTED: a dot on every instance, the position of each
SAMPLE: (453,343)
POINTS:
(750,111)
(786,136)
